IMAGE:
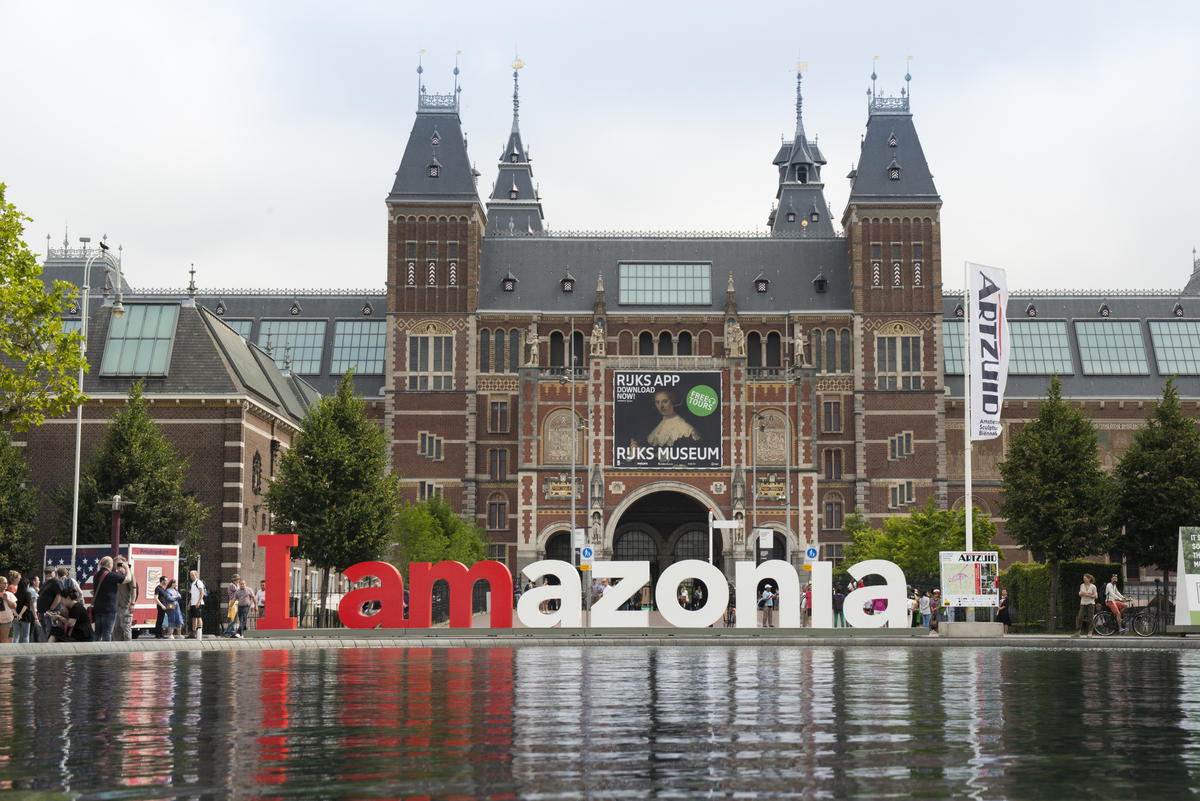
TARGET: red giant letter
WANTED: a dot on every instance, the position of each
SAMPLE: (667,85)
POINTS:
(277,551)
(390,594)
(422,575)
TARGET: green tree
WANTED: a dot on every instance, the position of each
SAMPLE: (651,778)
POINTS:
(430,531)
(913,541)
(136,461)
(18,508)
(1057,499)
(335,487)
(39,360)
(1158,484)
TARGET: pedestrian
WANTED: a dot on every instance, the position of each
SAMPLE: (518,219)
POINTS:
(935,609)
(914,604)
(24,620)
(766,602)
(1002,612)
(127,597)
(924,607)
(839,608)
(196,594)
(160,604)
(245,602)
(1087,606)
(231,591)
(1115,601)
(173,619)
(49,599)
(72,623)
(8,611)
(104,598)
(36,633)
(260,599)
(806,607)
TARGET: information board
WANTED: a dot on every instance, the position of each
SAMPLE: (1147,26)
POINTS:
(1187,587)
(969,578)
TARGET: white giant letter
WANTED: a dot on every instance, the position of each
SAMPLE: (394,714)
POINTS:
(715,601)
(633,576)
(787,601)
(566,593)
(893,590)
(822,595)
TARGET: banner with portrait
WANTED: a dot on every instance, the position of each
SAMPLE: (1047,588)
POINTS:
(666,419)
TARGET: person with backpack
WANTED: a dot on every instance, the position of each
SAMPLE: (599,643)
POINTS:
(104,597)
(196,606)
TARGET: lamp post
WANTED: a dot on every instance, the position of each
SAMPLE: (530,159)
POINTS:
(111,265)
(117,504)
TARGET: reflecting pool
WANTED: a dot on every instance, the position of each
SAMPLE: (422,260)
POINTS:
(603,723)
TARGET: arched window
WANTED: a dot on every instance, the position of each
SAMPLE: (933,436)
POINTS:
(833,510)
(814,339)
(706,344)
(633,546)
(625,343)
(754,349)
(645,344)
(485,351)
(558,349)
(514,349)
(692,545)
(559,547)
(577,352)
(684,346)
(497,511)
(847,364)
(774,349)
(499,350)
(666,347)
(831,351)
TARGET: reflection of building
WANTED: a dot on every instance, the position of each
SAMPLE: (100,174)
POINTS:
(491,360)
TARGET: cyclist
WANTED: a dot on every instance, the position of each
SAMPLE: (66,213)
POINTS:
(1115,601)
(1087,605)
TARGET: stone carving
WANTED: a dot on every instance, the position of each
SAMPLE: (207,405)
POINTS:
(531,345)
(599,344)
(735,340)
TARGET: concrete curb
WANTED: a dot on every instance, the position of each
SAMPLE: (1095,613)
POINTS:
(623,638)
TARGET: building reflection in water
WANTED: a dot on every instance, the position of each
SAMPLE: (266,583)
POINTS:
(604,722)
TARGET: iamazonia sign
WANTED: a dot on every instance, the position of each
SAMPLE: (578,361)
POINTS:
(627,577)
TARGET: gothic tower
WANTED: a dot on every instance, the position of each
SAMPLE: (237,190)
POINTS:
(435,233)
(892,228)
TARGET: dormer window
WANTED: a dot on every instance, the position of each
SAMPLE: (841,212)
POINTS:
(893,173)
(1031,310)
(435,140)
(512,194)
(791,216)
(512,157)
(1178,310)
(1105,311)
(958,311)
(509,284)
(820,284)
(568,283)
(761,284)
(814,216)
(801,173)
(892,139)
(434,170)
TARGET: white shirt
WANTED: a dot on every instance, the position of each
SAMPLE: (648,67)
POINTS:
(923,607)
(1111,593)
(1088,598)
(260,597)
(196,594)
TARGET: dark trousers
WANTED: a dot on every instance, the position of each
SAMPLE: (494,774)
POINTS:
(158,623)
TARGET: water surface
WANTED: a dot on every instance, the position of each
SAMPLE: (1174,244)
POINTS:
(603,723)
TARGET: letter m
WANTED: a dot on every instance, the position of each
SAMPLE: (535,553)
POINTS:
(461,580)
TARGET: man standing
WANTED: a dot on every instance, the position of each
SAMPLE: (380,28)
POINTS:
(127,596)
(104,598)
(160,604)
(244,598)
(196,595)
(260,599)
(767,603)
(232,590)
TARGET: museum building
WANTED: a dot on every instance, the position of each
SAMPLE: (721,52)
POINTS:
(636,386)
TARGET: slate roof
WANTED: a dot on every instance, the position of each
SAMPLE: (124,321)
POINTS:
(207,359)
(456,178)
(871,182)
(1086,306)
(539,264)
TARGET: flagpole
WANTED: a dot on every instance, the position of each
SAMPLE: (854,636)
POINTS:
(970,518)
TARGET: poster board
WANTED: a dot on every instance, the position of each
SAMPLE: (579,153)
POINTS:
(969,578)
(1187,578)
(666,419)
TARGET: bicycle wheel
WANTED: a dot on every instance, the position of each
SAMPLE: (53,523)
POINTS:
(1105,623)
(1145,624)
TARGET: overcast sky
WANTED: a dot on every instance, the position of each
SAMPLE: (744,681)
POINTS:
(258,140)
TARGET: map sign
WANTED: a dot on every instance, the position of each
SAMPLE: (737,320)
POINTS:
(969,578)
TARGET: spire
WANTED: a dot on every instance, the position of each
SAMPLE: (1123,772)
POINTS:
(800,67)
(514,207)
(800,188)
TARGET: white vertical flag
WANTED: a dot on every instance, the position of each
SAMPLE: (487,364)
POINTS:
(987,335)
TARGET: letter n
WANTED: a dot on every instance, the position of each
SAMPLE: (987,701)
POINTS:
(422,576)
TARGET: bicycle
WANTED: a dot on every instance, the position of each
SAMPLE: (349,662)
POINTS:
(1145,621)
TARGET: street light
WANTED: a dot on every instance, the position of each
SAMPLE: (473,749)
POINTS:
(111,266)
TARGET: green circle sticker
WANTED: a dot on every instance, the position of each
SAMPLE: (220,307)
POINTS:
(702,400)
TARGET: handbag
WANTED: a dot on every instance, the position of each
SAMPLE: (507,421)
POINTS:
(232,615)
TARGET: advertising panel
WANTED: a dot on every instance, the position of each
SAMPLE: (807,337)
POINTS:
(969,578)
(666,420)
(1187,577)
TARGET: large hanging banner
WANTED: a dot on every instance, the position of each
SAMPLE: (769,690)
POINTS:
(1187,579)
(987,335)
(665,419)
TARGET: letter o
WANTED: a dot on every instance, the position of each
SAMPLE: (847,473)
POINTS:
(715,601)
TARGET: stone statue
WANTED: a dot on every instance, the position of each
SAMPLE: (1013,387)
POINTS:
(735,340)
(531,345)
(599,345)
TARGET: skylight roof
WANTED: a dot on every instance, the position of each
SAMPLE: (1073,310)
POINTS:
(139,342)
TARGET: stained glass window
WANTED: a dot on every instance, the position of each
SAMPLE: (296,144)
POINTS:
(139,341)
(302,340)
(358,344)
(1176,346)
(1111,347)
